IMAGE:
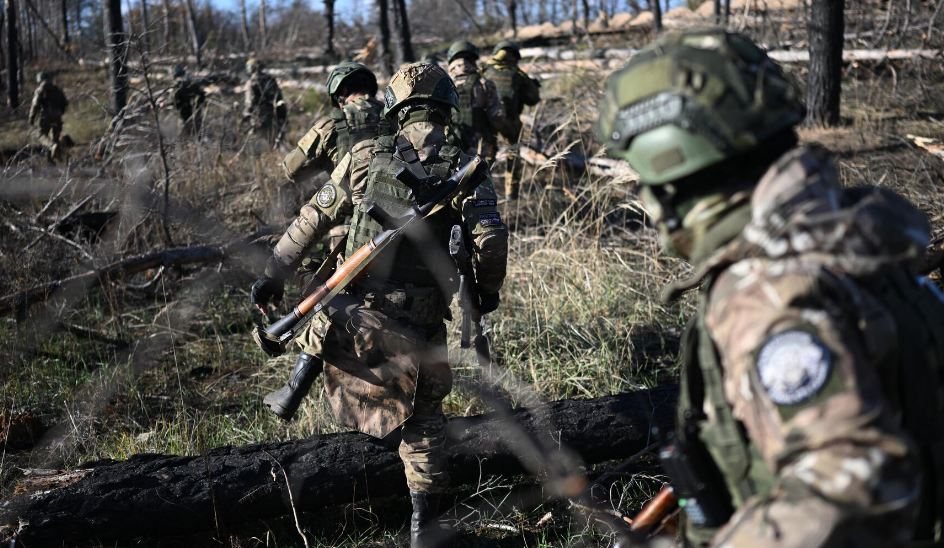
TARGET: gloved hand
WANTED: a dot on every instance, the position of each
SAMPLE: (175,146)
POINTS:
(267,288)
(488,302)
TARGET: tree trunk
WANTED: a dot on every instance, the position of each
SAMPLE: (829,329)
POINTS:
(718,20)
(329,19)
(194,34)
(115,44)
(656,16)
(404,36)
(146,26)
(586,16)
(824,83)
(13,88)
(65,22)
(513,16)
(168,10)
(727,12)
(263,38)
(232,485)
(384,55)
(244,20)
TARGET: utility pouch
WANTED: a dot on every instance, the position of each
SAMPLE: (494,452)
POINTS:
(697,482)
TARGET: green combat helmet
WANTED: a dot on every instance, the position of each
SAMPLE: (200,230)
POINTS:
(178,71)
(691,100)
(43,76)
(462,48)
(419,81)
(253,66)
(343,71)
(510,46)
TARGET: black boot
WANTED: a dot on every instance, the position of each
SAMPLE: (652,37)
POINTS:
(285,401)
(425,531)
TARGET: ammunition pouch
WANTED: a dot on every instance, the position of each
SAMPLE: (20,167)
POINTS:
(422,307)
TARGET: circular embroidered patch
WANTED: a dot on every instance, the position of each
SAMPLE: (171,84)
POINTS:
(326,196)
(793,366)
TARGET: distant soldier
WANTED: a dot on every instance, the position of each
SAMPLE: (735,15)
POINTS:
(517,90)
(49,104)
(481,112)
(264,105)
(357,117)
(811,382)
(188,100)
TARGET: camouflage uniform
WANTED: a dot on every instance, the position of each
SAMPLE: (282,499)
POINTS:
(357,117)
(812,370)
(517,90)
(481,112)
(264,105)
(398,372)
(49,104)
(188,101)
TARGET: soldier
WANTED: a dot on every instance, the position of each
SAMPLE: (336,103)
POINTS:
(481,112)
(264,105)
(357,116)
(49,104)
(389,367)
(811,404)
(188,100)
(517,90)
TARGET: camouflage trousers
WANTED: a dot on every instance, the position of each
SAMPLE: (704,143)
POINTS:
(513,166)
(49,134)
(423,434)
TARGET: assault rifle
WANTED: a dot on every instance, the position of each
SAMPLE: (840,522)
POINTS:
(468,297)
(430,194)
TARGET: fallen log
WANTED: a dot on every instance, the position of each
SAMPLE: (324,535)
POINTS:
(181,256)
(159,495)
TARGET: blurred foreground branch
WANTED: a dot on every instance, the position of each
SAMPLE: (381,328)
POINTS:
(115,501)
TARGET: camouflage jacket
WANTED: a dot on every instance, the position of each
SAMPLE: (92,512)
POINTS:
(481,112)
(49,104)
(263,102)
(188,97)
(515,87)
(805,362)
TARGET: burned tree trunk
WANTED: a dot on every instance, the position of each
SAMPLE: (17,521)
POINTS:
(329,17)
(114,501)
(263,37)
(13,88)
(656,16)
(194,33)
(513,16)
(145,26)
(115,43)
(824,84)
(65,22)
(384,56)
(404,36)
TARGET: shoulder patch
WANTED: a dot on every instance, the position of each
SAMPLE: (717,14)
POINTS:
(326,196)
(793,366)
(491,218)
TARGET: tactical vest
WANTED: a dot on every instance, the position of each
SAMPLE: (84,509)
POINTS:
(506,80)
(405,265)
(355,124)
(918,312)
(471,122)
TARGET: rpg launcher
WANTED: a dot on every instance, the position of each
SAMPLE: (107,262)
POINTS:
(429,195)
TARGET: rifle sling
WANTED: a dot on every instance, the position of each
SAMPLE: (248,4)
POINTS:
(407,153)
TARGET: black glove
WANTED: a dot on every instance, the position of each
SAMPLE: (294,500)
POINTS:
(267,288)
(488,302)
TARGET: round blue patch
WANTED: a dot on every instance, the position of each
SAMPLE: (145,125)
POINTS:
(793,366)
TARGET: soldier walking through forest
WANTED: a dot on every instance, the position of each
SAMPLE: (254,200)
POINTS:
(390,367)
(357,116)
(188,101)
(517,90)
(264,105)
(481,112)
(811,402)
(46,111)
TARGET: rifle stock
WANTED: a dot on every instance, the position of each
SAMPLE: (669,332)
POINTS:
(273,339)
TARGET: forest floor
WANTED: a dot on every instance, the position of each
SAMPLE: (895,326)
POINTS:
(580,315)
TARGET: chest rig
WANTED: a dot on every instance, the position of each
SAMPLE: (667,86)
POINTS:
(413,263)
(917,311)
(358,122)
(506,80)
(471,122)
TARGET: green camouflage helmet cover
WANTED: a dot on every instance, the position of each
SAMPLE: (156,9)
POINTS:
(253,65)
(419,81)
(691,100)
(345,69)
(462,48)
(179,71)
(510,46)
(43,76)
